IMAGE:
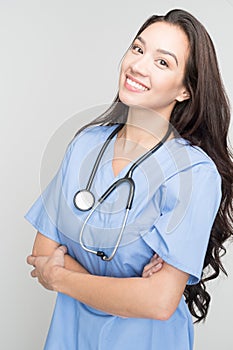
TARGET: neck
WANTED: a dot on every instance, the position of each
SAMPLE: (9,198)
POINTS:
(144,127)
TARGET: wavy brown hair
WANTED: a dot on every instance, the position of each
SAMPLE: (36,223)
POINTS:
(203,120)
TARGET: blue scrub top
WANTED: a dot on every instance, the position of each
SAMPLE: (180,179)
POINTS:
(177,195)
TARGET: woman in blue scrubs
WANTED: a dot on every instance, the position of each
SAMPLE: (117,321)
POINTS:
(180,211)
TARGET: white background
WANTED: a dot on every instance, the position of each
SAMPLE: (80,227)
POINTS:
(58,58)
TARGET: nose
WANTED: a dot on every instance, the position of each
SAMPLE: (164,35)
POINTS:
(141,65)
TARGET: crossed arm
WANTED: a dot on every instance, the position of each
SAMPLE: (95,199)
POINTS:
(155,297)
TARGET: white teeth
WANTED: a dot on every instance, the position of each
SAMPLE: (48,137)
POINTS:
(136,85)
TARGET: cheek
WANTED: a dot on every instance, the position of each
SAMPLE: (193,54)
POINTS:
(166,83)
(121,80)
(126,61)
(122,69)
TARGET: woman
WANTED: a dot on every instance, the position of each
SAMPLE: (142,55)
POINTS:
(181,207)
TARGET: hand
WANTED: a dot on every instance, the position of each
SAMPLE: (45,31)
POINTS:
(155,264)
(45,267)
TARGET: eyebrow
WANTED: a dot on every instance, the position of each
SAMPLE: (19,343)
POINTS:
(165,52)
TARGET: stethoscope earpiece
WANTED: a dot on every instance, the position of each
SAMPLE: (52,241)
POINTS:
(84,200)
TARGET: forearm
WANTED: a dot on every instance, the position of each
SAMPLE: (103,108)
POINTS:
(46,247)
(156,297)
(126,297)
(74,265)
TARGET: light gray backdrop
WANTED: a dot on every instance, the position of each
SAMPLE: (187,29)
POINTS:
(59,58)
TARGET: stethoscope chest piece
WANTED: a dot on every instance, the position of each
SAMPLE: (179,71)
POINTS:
(84,200)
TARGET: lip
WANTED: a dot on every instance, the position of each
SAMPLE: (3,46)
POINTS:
(136,81)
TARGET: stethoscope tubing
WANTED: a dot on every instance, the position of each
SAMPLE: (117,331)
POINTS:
(126,179)
(100,155)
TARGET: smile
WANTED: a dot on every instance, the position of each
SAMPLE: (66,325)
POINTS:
(136,85)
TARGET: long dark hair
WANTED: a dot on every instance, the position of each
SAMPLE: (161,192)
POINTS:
(203,120)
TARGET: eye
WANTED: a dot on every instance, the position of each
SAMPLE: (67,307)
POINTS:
(162,63)
(136,48)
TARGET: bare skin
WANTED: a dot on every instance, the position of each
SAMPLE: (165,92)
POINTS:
(155,297)
(46,247)
(156,62)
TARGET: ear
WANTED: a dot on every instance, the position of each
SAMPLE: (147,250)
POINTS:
(185,95)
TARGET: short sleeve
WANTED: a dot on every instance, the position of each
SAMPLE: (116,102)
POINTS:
(181,234)
(44,213)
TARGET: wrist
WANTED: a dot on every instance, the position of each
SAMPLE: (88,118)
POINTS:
(59,274)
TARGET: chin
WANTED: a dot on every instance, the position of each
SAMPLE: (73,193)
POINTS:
(129,101)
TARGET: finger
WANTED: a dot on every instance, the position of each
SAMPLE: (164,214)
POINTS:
(60,251)
(153,270)
(156,268)
(63,249)
(31,260)
(34,273)
(148,267)
(147,274)
(153,263)
(155,256)
(148,270)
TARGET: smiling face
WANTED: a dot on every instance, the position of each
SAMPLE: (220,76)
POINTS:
(152,70)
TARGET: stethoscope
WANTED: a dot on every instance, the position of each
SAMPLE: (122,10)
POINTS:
(84,200)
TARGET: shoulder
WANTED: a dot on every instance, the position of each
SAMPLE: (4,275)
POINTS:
(87,144)
(192,183)
(192,173)
(188,168)
(184,157)
(92,136)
